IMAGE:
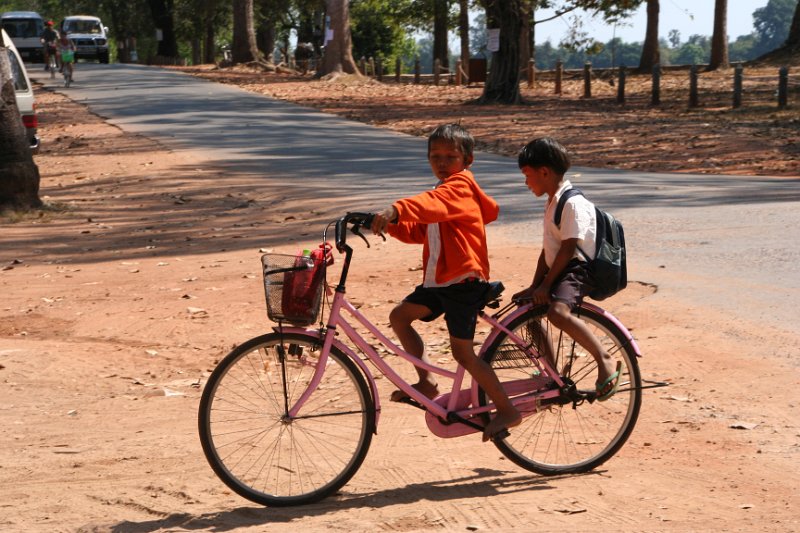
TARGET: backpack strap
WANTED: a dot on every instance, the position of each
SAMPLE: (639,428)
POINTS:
(566,195)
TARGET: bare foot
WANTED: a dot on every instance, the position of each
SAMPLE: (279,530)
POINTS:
(430,390)
(500,422)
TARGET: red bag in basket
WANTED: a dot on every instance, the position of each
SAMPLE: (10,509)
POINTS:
(301,287)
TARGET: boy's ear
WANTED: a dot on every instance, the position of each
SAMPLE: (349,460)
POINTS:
(468,160)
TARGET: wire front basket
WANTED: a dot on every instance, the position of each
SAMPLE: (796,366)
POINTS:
(293,286)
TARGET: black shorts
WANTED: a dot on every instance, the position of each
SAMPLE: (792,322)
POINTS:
(460,304)
(572,284)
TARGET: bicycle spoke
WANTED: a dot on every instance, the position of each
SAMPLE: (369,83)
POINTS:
(261,452)
(574,433)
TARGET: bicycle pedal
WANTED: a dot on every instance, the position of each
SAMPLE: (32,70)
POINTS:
(411,402)
(500,435)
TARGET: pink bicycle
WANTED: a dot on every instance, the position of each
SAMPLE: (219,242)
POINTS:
(287,418)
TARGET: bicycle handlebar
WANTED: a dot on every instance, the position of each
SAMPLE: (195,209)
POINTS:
(358,221)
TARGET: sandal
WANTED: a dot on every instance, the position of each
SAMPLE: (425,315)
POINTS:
(608,388)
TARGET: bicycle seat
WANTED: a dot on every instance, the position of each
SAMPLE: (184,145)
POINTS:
(496,288)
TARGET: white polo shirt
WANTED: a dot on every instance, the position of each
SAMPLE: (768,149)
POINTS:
(578,221)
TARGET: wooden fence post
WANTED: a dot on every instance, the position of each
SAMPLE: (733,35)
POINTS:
(459,79)
(372,67)
(656,97)
(416,71)
(693,96)
(587,80)
(531,73)
(398,67)
(362,65)
(437,65)
(621,85)
(559,75)
(783,87)
(379,66)
(738,78)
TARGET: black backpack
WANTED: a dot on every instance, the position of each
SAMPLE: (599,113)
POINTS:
(608,268)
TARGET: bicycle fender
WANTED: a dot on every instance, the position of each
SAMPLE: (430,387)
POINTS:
(614,320)
(373,387)
(521,310)
(525,308)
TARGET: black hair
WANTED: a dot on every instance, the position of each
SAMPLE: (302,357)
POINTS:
(456,134)
(545,152)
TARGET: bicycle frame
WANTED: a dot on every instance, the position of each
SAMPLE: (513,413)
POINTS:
(456,401)
(457,405)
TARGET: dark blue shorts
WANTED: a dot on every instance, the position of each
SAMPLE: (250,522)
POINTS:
(572,284)
(460,304)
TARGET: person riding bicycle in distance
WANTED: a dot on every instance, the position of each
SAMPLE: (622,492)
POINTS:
(562,278)
(49,39)
(449,221)
(66,49)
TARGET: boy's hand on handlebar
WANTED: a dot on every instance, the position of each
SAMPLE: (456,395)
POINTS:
(381,221)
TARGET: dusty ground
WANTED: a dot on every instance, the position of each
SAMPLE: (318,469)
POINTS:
(119,299)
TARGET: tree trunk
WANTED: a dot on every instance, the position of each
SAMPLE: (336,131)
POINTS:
(502,83)
(651,55)
(338,56)
(525,43)
(19,176)
(209,33)
(440,48)
(719,39)
(265,37)
(463,31)
(243,48)
(793,40)
(162,11)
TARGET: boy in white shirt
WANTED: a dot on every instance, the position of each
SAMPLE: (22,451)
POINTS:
(562,276)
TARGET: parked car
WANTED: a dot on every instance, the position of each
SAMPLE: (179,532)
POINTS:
(89,35)
(23,91)
(25,29)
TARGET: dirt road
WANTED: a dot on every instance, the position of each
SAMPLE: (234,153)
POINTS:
(119,300)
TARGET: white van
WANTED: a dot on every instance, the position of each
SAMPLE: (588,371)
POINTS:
(25,29)
(89,35)
(23,90)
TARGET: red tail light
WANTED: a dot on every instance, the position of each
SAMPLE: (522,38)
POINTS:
(30,121)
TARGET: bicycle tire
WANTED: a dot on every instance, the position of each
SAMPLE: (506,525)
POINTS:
(263,455)
(567,437)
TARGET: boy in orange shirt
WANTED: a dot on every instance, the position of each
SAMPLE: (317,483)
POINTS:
(449,221)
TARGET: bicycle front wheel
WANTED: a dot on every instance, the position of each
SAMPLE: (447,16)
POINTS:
(257,448)
(567,435)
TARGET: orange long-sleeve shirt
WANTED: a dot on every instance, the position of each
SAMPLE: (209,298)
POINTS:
(449,221)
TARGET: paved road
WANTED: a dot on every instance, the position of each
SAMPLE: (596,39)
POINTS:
(717,240)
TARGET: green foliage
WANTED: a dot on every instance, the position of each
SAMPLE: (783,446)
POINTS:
(380,28)
(690,54)
(742,49)
(374,28)
(771,24)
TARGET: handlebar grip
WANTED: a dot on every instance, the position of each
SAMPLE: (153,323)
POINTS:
(341,234)
(358,220)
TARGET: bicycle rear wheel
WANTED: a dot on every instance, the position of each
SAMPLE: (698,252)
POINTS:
(261,452)
(567,436)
